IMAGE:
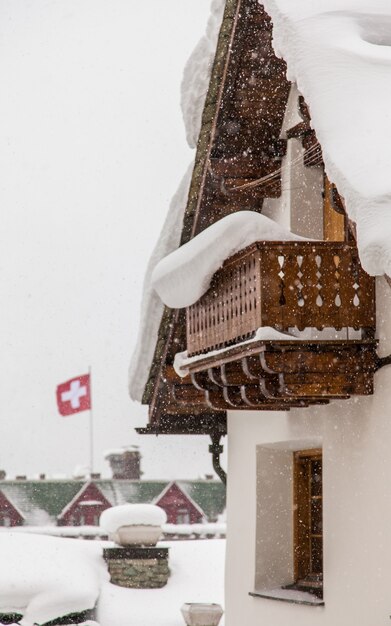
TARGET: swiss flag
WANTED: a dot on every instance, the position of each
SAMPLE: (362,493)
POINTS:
(74,395)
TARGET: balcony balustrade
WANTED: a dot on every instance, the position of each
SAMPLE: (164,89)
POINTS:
(295,285)
(300,284)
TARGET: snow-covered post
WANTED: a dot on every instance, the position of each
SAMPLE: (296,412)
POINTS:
(136,529)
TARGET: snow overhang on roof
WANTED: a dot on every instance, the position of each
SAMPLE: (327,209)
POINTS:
(194,89)
(339,54)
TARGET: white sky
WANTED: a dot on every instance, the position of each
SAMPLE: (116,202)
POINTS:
(92,148)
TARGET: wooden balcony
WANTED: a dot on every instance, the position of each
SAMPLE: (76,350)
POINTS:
(294,285)
(283,285)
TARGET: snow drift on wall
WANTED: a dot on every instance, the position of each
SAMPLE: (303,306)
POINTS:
(339,54)
(197,73)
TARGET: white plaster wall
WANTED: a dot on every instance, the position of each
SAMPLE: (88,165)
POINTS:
(279,209)
(300,207)
(306,189)
(274,525)
(356,437)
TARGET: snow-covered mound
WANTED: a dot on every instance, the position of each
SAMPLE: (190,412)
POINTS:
(197,575)
(47,577)
(197,72)
(339,54)
(132,515)
(184,276)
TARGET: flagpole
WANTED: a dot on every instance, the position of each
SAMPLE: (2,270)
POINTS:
(91,427)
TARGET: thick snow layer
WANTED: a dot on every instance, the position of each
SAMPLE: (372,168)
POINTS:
(264,333)
(197,575)
(184,276)
(47,577)
(44,577)
(197,72)
(151,306)
(132,514)
(339,54)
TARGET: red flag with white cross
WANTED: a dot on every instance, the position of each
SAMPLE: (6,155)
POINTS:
(74,395)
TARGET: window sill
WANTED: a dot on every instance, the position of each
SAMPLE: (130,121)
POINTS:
(288,595)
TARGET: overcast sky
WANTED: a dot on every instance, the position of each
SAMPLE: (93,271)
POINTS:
(92,148)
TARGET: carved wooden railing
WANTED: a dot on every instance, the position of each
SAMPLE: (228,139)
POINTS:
(282,285)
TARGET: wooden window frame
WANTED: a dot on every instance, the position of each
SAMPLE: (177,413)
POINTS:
(305,576)
(334,216)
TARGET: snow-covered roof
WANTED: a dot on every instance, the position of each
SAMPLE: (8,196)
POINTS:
(42,502)
(339,54)
(193,93)
(79,494)
(185,493)
(197,73)
(151,305)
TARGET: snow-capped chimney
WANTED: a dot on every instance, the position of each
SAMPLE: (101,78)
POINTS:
(125,463)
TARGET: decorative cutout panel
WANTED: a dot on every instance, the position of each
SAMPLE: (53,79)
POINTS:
(282,285)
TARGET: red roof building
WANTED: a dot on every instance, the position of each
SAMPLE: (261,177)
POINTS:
(179,507)
(85,508)
(9,514)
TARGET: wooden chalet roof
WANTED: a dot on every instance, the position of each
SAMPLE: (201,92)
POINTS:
(239,142)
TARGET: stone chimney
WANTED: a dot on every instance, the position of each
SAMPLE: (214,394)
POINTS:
(125,463)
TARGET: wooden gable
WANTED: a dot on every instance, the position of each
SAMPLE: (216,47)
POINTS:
(308,285)
(179,507)
(85,508)
(9,514)
(239,142)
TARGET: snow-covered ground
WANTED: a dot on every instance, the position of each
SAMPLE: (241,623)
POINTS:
(187,531)
(197,575)
(46,577)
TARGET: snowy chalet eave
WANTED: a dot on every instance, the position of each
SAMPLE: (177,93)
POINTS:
(239,144)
